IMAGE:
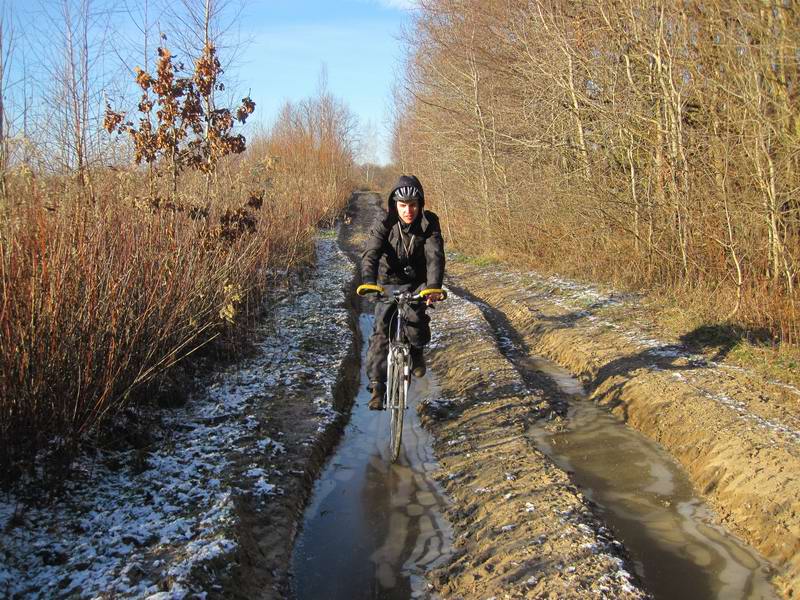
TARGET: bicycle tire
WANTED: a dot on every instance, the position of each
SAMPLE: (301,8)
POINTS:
(391,393)
(397,405)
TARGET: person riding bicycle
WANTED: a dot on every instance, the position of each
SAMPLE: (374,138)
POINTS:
(404,252)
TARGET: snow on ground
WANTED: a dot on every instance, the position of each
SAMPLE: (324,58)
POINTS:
(123,533)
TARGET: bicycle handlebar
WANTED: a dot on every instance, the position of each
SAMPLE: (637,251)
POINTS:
(371,288)
(430,291)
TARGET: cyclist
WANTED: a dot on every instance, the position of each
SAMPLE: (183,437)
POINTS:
(404,252)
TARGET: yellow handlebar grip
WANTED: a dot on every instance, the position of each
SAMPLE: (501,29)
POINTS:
(369,288)
(429,291)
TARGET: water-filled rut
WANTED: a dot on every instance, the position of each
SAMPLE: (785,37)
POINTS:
(640,491)
(647,499)
(372,528)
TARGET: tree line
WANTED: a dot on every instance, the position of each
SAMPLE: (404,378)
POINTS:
(646,144)
(140,228)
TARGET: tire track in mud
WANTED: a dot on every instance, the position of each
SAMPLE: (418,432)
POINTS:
(641,491)
(522,528)
(307,411)
(389,516)
(747,472)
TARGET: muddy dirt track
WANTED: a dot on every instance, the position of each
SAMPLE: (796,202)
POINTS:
(737,437)
(522,526)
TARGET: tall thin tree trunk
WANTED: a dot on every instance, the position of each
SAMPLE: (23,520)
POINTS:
(576,115)
(481,142)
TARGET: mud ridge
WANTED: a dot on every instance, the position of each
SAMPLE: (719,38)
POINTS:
(521,527)
(266,539)
(736,437)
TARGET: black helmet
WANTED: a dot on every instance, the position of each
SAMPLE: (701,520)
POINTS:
(408,188)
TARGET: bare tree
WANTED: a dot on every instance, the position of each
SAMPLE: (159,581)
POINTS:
(70,42)
(645,143)
(7,44)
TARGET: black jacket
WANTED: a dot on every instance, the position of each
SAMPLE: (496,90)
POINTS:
(385,258)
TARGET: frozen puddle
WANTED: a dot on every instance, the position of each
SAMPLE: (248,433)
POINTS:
(372,528)
(648,501)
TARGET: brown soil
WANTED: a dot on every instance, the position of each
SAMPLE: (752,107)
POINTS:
(735,433)
(521,528)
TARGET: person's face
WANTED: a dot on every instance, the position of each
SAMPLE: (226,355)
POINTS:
(408,211)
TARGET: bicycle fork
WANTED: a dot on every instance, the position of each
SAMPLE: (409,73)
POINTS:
(402,354)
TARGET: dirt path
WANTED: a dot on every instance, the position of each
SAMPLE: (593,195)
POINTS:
(737,436)
(522,529)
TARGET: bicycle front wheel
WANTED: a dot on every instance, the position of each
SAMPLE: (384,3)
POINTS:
(397,404)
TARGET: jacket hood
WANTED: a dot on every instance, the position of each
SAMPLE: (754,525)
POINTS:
(405,180)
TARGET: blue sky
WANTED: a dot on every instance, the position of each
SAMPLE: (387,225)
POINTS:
(287,42)
(356,40)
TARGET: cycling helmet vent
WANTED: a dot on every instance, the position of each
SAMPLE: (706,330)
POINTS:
(407,193)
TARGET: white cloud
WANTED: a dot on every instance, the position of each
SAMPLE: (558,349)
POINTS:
(399,4)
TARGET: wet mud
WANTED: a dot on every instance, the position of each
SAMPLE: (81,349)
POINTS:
(678,548)
(522,528)
(734,437)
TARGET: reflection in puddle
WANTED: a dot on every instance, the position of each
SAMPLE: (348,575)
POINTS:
(373,529)
(648,501)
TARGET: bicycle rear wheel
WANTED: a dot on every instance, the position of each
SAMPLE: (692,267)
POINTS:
(397,403)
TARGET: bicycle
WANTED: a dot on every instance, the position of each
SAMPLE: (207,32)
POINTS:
(398,364)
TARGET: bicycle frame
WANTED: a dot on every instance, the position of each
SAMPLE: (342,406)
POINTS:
(398,363)
(398,373)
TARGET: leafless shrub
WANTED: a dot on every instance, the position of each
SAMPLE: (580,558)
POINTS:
(102,298)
